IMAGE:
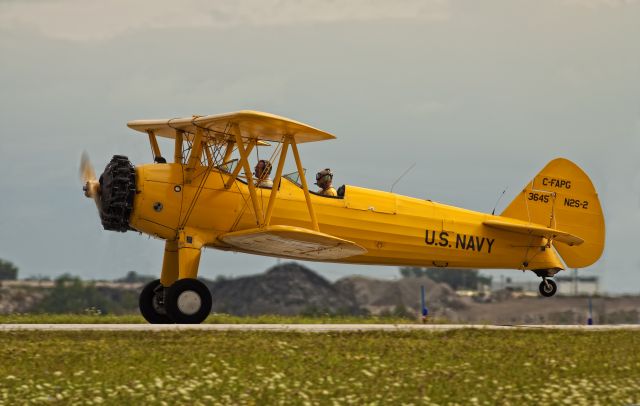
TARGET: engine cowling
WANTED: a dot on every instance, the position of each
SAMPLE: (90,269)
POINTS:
(118,190)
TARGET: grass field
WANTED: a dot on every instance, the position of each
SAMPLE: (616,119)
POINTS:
(34,318)
(197,367)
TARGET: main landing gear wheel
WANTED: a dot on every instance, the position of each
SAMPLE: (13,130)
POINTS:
(548,287)
(151,304)
(188,301)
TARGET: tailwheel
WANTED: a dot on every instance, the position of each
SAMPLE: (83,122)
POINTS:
(548,287)
(188,301)
(151,303)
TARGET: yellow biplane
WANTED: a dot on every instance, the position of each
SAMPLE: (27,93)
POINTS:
(209,197)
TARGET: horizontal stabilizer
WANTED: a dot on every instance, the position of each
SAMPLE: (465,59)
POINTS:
(292,242)
(537,230)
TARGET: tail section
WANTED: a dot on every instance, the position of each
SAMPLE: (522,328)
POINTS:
(562,197)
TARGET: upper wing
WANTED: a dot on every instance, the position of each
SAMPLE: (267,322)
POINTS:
(252,125)
(292,242)
(539,231)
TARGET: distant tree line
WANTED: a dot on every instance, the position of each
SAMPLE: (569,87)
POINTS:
(71,295)
(458,279)
(134,277)
(8,271)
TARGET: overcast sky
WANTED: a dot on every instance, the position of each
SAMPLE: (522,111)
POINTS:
(480,95)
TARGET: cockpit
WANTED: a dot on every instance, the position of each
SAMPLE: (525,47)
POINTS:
(294,177)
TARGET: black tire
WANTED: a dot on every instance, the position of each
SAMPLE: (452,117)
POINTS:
(188,301)
(548,290)
(151,307)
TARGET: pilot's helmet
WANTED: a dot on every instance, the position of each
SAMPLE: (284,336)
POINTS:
(324,177)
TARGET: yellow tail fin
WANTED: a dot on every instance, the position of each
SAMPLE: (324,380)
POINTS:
(562,196)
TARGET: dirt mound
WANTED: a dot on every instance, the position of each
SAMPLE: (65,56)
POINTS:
(379,296)
(18,299)
(286,289)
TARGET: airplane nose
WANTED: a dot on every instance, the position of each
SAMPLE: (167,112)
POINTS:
(118,190)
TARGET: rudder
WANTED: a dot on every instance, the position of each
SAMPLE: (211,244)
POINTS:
(563,197)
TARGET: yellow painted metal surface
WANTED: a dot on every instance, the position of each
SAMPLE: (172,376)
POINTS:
(562,196)
(420,232)
(244,163)
(292,242)
(170,264)
(358,198)
(154,145)
(268,127)
(276,182)
(305,188)
(194,206)
(539,231)
(177,149)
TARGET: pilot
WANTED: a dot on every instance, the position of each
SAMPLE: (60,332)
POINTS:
(262,172)
(324,180)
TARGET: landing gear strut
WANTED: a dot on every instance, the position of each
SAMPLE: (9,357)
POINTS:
(548,287)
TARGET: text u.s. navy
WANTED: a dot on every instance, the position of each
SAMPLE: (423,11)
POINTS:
(462,241)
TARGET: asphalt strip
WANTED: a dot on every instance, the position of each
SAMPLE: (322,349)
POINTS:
(310,328)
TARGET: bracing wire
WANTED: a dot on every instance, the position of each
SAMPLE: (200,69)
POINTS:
(203,180)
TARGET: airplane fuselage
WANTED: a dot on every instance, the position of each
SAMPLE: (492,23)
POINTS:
(394,229)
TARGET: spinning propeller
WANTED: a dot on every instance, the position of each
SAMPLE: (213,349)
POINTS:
(91,185)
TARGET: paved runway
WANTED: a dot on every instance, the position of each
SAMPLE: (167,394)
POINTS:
(310,328)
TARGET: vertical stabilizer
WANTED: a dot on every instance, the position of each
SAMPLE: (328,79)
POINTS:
(563,197)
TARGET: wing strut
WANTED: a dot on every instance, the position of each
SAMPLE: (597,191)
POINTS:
(264,219)
(276,182)
(228,152)
(194,157)
(236,170)
(177,153)
(305,188)
(207,152)
(244,162)
(155,149)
